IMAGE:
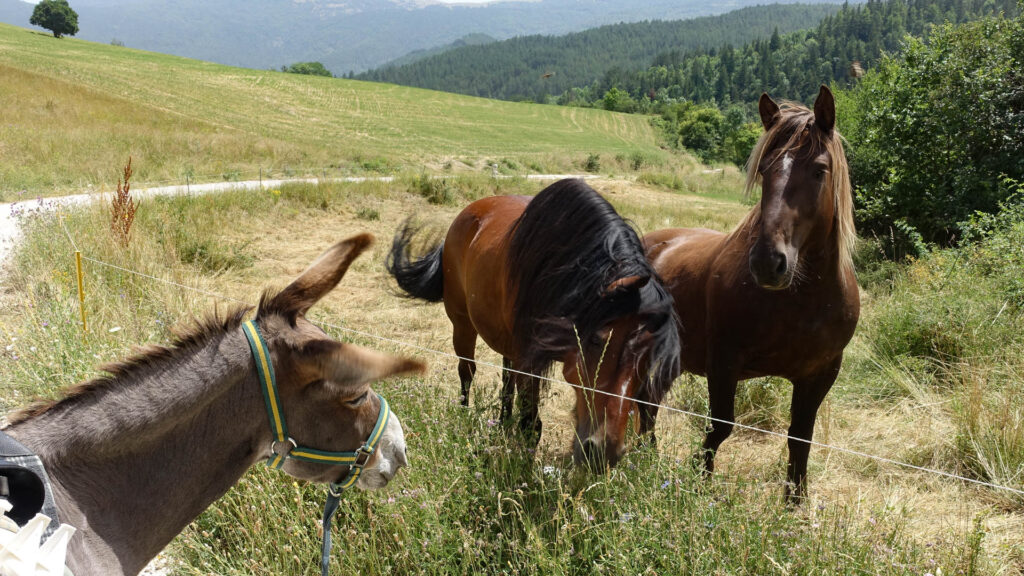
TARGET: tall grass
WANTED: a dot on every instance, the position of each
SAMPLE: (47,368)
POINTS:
(955,320)
(473,500)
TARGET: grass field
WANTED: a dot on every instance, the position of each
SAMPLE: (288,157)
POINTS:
(73,111)
(934,376)
(473,501)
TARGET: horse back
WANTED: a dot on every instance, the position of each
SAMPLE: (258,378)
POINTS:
(683,258)
(477,289)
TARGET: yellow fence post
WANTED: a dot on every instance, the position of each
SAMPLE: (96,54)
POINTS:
(81,289)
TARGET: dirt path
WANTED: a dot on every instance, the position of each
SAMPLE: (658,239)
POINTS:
(12,211)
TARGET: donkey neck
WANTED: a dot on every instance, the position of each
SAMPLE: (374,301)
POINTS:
(135,461)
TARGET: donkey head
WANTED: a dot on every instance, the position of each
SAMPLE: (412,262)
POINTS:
(794,161)
(324,385)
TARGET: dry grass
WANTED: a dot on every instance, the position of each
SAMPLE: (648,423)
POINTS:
(938,516)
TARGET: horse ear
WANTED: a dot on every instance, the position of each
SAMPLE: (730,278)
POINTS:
(350,365)
(768,110)
(320,278)
(623,285)
(825,110)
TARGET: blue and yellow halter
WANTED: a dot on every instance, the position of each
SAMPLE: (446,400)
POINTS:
(354,460)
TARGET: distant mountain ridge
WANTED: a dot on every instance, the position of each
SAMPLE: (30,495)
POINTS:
(535,67)
(345,35)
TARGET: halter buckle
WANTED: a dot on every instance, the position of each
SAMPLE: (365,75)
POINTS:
(363,455)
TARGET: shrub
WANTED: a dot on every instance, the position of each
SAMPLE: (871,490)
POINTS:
(932,130)
(592,163)
(435,190)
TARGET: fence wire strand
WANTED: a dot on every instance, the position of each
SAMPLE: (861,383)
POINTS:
(665,407)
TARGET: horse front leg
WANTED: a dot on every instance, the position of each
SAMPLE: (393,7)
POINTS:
(722,402)
(808,394)
(529,408)
(647,414)
(508,390)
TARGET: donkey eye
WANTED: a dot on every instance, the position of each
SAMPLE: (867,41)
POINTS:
(358,400)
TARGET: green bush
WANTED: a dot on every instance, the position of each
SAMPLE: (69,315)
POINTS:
(933,129)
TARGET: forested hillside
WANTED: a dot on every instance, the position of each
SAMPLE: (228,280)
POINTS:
(791,65)
(534,67)
(343,35)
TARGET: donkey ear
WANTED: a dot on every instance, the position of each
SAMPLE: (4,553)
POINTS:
(623,285)
(825,110)
(351,365)
(768,110)
(320,278)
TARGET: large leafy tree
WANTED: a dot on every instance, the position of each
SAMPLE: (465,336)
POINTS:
(56,16)
(935,131)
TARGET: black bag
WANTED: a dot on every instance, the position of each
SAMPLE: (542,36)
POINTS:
(19,484)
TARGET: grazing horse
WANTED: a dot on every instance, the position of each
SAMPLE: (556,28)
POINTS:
(560,276)
(778,295)
(136,455)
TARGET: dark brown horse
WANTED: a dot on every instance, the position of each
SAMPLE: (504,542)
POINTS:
(778,295)
(136,455)
(560,277)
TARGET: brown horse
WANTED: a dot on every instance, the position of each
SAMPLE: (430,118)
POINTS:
(778,295)
(557,277)
(136,455)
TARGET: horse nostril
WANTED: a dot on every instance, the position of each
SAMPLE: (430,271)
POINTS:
(780,263)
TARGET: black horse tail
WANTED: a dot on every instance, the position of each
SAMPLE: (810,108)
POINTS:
(421,277)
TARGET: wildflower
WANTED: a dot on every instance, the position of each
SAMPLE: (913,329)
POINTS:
(491,423)
(665,484)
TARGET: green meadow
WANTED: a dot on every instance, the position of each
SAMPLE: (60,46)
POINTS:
(73,111)
(933,376)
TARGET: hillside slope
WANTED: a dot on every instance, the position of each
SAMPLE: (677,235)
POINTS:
(532,67)
(74,110)
(344,35)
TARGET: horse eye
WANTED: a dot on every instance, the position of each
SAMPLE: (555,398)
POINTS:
(819,174)
(358,401)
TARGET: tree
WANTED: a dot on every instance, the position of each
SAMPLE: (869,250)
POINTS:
(310,68)
(55,16)
(935,130)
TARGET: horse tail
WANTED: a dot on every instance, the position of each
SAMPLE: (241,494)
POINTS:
(421,277)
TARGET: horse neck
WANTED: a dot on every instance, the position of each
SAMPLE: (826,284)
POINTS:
(134,463)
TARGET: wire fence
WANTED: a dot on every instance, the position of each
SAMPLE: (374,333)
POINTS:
(670,409)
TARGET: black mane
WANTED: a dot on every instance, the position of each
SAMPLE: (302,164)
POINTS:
(566,248)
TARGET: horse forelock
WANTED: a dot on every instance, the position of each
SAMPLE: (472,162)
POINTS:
(201,332)
(794,131)
(566,248)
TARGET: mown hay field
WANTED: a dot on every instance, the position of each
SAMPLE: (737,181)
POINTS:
(74,110)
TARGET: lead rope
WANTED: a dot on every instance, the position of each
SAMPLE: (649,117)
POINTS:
(330,507)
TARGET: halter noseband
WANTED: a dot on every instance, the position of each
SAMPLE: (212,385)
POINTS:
(355,460)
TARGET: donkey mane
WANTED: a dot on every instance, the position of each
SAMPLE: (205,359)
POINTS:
(144,358)
(790,132)
(566,248)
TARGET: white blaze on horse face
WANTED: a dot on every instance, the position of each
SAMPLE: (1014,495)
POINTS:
(389,458)
(787,165)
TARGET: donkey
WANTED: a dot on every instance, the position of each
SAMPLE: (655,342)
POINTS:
(136,455)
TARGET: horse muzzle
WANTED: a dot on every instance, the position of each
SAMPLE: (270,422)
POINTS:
(771,268)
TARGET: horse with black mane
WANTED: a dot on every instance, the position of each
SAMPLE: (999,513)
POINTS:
(559,277)
(777,296)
